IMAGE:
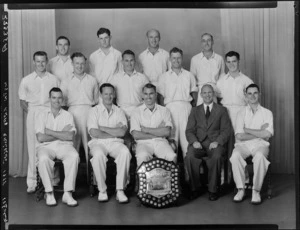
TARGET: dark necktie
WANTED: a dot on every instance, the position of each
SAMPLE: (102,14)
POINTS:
(207,113)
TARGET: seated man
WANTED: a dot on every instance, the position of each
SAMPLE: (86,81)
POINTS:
(150,125)
(208,129)
(254,127)
(55,130)
(107,126)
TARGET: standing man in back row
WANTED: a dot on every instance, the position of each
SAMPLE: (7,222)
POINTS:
(207,66)
(105,61)
(154,61)
(61,65)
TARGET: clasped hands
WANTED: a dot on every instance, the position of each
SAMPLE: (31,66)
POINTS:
(213,145)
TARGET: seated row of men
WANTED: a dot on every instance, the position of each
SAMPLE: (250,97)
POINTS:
(207,131)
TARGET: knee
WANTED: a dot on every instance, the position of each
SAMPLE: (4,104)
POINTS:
(259,156)
(235,155)
(98,155)
(125,153)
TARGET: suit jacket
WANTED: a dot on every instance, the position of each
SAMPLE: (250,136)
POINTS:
(217,128)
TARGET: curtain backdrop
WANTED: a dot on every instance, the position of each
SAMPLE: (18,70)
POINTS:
(22,45)
(265,40)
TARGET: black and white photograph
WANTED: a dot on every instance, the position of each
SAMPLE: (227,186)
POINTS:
(144,115)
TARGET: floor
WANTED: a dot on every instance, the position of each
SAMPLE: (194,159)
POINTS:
(280,210)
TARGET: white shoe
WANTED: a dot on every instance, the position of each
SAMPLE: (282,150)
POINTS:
(121,197)
(256,199)
(102,197)
(50,199)
(68,199)
(30,189)
(239,196)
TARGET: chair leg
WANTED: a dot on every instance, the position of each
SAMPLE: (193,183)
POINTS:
(40,190)
(269,183)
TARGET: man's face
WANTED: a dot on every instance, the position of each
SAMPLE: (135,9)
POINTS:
(62,47)
(153,39)
(232,63)
(207,94)
(149,96)
(128,62)
(104,40)
(79,65)
(252,95)
(40,63)
(176,60)
(108,95)
(56,99)
(207,43)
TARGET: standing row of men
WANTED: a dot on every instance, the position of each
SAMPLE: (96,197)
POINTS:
(178,90)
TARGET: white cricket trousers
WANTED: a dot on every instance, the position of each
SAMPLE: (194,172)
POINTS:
(80,114)
(70,159)
(116,149)
(259,150)
(31,143)
(157,146)
(180,111)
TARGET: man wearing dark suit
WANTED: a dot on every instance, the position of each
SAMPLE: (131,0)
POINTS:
(208,130)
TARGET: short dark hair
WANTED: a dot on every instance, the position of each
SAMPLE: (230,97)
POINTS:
(232,53)
(40,53)
(61,38)
(55,89)
(103,31)
(176,50)
(212,38)
(106,85)
(149,86)
(252,86)
(129,52)
(77,54)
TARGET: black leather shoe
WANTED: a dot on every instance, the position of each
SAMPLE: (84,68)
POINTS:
(213,196)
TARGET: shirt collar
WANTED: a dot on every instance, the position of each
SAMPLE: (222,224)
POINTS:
(73,75)
(36,75)
(144,107)
(158,50)
(210,106)
(181,70)
(250,110)
(110,49)
(228,75)
(211,57)
(134,72)
(49,111)
(58,58)
(102,108)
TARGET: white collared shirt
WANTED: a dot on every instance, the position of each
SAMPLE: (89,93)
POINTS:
(99,116)
(129,88)
(80,92)
(35,90)
(232,90)
(62,70)
(142,116)
(155,65)
(246,118)
(46,119)
(207,70)
(175,87)
(205,107)
(103,66)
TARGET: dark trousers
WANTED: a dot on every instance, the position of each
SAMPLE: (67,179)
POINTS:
(213,160)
